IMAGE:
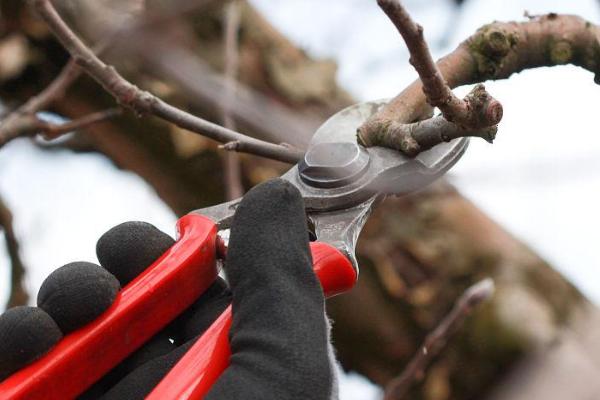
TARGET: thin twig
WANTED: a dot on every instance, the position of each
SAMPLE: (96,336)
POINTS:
(231,160)
(144,103)
(52,131)
(438,338)
(31,124)
(22,121)
(18,294)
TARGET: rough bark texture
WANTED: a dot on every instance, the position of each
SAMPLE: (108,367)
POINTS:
(417,254)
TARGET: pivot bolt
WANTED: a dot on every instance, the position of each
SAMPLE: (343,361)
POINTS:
(331,165)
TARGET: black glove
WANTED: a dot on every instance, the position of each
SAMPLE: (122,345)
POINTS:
(279,335)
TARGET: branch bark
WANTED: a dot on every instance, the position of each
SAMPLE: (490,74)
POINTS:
(144,103)
(419,136)
(495,51)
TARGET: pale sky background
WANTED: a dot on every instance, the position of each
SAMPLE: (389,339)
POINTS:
(540,179)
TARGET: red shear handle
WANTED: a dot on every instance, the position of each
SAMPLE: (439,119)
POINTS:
(193,376)
(141,309)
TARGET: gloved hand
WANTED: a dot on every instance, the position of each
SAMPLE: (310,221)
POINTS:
(279,335)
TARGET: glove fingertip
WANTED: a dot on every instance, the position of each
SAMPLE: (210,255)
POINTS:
(127,249)
(269,229)
(273,199)
(26,334)
(77,293)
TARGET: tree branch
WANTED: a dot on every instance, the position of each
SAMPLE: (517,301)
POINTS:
(52,131)
(144,103)
(22,121)
(477,115)
(18,294)
(29,124)
(414,138)
(495,51)
(231,161)
(437,339)
(476,111)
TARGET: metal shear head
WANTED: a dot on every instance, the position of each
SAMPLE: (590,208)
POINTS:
(341,181)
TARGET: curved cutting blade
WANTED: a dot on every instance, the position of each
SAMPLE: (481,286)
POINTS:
(388,171)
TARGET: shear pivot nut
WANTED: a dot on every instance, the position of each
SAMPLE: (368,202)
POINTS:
(331,165)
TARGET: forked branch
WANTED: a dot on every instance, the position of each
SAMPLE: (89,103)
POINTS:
(495,51)
(477,110)
(478,114)
(23,121)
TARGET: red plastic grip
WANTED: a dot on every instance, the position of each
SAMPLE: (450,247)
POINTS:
(193,376)
(141,309)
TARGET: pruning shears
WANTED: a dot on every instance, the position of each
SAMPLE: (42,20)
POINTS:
(340,182)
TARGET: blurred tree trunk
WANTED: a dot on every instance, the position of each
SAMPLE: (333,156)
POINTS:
(417,254)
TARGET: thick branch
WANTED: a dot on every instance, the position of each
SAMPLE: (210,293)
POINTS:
(142,102)
(496,51)
(436,340)
(18,294)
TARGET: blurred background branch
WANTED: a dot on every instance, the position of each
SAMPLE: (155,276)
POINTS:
(435,341)
(231,162)
(23,121)
(18,294)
